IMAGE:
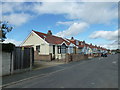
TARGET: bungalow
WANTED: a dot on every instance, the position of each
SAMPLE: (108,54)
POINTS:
(88,49)
(104,50)
(47,44)
(78,46)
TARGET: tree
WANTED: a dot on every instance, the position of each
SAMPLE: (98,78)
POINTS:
(4,29)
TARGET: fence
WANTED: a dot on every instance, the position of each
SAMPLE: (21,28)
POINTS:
(22,58)
(16,60)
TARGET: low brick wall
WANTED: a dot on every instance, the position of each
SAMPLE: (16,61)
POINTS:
(97,55)
(68,58)
(75,57)
(42,57)
(90,56)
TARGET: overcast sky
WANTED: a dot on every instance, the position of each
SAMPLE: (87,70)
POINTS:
(94,22)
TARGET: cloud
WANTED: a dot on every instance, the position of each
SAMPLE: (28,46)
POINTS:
(8,8)
(61,1)
(99,0)
(91,12)
(17,19)
(74,29)
(108,46)
(64,23)
(112,45)
(17,43)
(108,35)
(16,13)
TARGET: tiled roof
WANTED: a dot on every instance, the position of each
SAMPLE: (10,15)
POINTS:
(59,40)
(81,46)
(87,45)
(74,42)
(51,38)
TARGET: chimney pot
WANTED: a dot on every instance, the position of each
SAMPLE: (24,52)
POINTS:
(84,42)
(72,38)
(49,32)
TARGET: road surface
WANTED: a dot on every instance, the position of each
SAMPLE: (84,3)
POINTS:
(95,73)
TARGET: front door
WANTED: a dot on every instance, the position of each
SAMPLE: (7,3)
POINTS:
(53,51)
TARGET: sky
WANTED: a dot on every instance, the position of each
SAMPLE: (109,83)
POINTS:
(93,22)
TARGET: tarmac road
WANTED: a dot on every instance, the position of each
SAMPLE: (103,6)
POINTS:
(94,73)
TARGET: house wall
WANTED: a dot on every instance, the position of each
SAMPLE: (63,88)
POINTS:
(57,55)
(90,51)
(84,50)
(47,53)
(70,49)
(36,40)
(6,60)
(51,49)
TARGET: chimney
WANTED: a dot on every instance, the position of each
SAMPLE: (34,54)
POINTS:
(72,38)
(91,44)
(84,42)
(49,32)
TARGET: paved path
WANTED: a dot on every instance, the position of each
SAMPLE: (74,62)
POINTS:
(94,73)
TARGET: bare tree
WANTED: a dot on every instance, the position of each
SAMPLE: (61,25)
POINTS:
(4,29)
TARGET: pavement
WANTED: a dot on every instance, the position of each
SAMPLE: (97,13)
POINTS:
(38,64)
(40,68)
(93,73)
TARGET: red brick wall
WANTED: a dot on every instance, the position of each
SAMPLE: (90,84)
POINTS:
(42,57)
(97,55)
(75,57)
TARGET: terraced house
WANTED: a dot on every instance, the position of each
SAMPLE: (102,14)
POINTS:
(49,47)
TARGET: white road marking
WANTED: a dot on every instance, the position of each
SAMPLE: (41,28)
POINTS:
(93,83)
(62,87)
(114,62)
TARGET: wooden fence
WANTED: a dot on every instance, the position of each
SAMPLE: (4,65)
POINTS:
(17,59)
(22,58)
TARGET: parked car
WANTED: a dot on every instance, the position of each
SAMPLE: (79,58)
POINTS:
(104,55)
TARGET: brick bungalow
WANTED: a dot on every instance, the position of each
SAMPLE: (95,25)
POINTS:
(49,47)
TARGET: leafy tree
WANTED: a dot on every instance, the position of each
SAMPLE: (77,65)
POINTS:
(4,28)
